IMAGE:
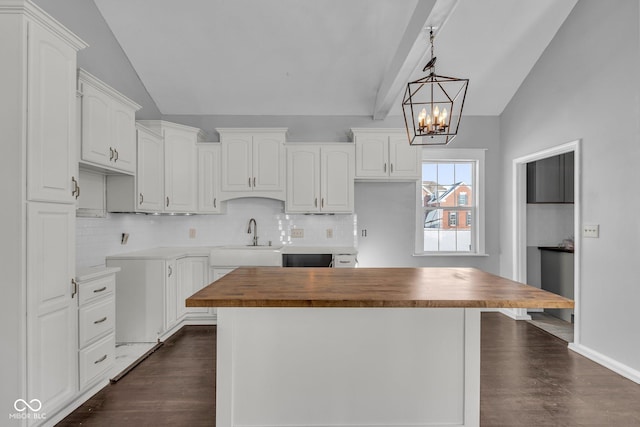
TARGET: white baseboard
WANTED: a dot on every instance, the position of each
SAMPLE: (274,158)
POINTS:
(512,313)
(607,362)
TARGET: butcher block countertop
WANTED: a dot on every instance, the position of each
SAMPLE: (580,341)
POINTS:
(371,287)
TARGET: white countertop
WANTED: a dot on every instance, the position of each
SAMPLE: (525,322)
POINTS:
(91,273)
(180,252)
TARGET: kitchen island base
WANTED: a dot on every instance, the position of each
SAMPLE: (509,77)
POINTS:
(348,367)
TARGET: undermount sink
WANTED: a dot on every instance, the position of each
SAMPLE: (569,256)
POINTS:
(246,256)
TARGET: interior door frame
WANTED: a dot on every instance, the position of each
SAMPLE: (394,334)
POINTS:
(520,221)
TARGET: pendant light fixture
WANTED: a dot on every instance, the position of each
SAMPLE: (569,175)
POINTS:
(432,106)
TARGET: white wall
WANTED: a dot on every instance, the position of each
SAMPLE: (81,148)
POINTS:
(104,58)
(98,237)
(585,87)
(387,210)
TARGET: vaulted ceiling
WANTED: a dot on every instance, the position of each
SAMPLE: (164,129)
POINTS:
(327,57)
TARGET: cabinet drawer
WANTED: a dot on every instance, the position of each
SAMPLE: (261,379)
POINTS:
(344,261)
(94,289)
(96,320)
(96,360)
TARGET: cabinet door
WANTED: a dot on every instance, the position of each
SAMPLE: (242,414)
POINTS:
(180,172)
(303,178)
(51,144)
(237,171)
(372,156)
(52,306)
(170,295)
(569,180)
(184,285)
(199,267)
(96,127)
(337,186)
(268,163)
(549,180)
(124,137)
(208,178)
(404,159)
(150,176)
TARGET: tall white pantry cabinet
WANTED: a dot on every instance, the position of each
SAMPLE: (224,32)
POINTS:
(38,186)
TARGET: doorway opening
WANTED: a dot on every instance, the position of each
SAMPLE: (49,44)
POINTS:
(547,232)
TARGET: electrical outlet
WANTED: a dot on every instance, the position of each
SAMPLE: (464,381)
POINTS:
(592,231)
(192,233)
(297,233)
(329,233)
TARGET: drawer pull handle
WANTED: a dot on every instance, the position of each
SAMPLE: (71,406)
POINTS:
(344,262)
(100,320)
(102,359)
(102,289)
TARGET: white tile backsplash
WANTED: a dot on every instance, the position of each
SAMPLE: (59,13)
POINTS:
(97,238)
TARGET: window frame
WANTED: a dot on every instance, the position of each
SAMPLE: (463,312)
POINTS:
(475,155)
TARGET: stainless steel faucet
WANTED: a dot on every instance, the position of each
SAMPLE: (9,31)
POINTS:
(255,231)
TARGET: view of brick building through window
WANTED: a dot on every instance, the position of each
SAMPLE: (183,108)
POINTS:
(448,203)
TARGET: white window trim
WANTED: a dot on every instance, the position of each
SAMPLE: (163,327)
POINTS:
(454,154)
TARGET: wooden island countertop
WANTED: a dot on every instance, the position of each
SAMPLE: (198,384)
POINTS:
(371,287)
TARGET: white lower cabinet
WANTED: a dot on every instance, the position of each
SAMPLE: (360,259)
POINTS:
(96,325)
(150,301)
(52,305)
(193,275)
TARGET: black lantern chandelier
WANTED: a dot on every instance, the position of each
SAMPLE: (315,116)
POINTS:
(432,106)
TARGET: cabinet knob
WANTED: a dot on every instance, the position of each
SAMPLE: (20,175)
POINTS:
(141,199)
(315,203)
(254,182)
(249,182)
(215,202)
(111,153)
(322,203)
(100,320)
(117,155)
(102,359)
(167,201)
(391,167)
(385,167)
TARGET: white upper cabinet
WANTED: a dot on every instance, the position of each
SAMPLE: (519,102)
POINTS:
(51,127)
(253,161)
(320,178)
(150,174)
(385,154)
(180,169)
(167,173)
(209,178)
(108,137)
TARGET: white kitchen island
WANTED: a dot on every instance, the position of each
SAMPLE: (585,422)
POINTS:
(354,347)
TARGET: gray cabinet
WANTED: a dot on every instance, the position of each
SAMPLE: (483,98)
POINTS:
(557,276)
(551,180)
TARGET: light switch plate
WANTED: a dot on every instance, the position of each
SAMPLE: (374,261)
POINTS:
(192,233)
(297,233)
(329,233)
(592,231)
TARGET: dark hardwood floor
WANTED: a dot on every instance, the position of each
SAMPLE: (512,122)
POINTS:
(528,378)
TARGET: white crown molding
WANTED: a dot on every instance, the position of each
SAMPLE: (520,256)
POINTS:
(86,77)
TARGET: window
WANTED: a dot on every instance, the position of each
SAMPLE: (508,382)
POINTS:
(449,197)
(453,219)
